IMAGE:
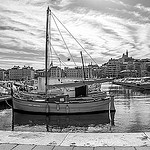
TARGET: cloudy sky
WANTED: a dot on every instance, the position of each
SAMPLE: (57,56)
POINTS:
(105,28)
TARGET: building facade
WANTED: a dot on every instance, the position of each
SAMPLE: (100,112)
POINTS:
(117,68)
(55,71)
(125,67)
(27,73)
(112,68)
(2,74)
(18,74)
(78,72)
(145,63)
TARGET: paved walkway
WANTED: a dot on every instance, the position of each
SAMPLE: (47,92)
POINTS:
(48,147)
(73,141)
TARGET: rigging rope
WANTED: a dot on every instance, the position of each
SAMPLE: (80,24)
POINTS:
(63,39)
(49,41)
(8,104)
(74,38)
(58,56)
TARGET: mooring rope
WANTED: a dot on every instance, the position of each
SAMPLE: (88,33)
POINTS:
(8,104)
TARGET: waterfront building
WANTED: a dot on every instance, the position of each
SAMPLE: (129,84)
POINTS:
(17,73)
(77,72)
(101,72)
(89,72)
(93,70)
(2,74)
(27,73)
(145,63)
(7,75)
(113,68)
(73,72)
(137,64)
(54,71)
(124,67)
(130,70)
(40,73)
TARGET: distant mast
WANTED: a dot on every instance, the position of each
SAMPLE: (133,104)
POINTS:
(46,48)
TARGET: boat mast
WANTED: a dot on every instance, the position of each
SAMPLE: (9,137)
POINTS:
(46,48)
(83,66)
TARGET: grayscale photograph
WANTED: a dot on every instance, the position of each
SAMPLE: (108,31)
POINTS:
(75,75)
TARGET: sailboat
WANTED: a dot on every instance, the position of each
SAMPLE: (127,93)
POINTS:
(78,100)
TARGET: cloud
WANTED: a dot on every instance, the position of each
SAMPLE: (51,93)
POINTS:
(143,8)
(105,28)
(10,28)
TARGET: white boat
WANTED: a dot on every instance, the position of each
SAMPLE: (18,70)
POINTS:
(5,87)
(73,101)
(144,83)
(141,82)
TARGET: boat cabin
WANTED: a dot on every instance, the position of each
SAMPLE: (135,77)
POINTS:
(80,91)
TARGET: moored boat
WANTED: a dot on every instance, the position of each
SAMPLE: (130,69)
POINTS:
(64,104)
(77,99)
(144,83)
(5,91)
(140,82)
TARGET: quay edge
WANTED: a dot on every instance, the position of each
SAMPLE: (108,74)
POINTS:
(141,139)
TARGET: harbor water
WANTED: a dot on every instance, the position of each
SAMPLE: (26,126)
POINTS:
(132,115)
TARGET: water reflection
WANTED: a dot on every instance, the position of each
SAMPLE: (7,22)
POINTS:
(124,91)
(99,122)
(132,108)
(4,105)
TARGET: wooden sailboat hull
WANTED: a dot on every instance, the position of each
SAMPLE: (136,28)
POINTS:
(63,108)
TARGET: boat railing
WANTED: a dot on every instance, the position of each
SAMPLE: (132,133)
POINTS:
(28,96)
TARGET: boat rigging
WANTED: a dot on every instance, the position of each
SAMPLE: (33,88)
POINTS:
(78,99)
